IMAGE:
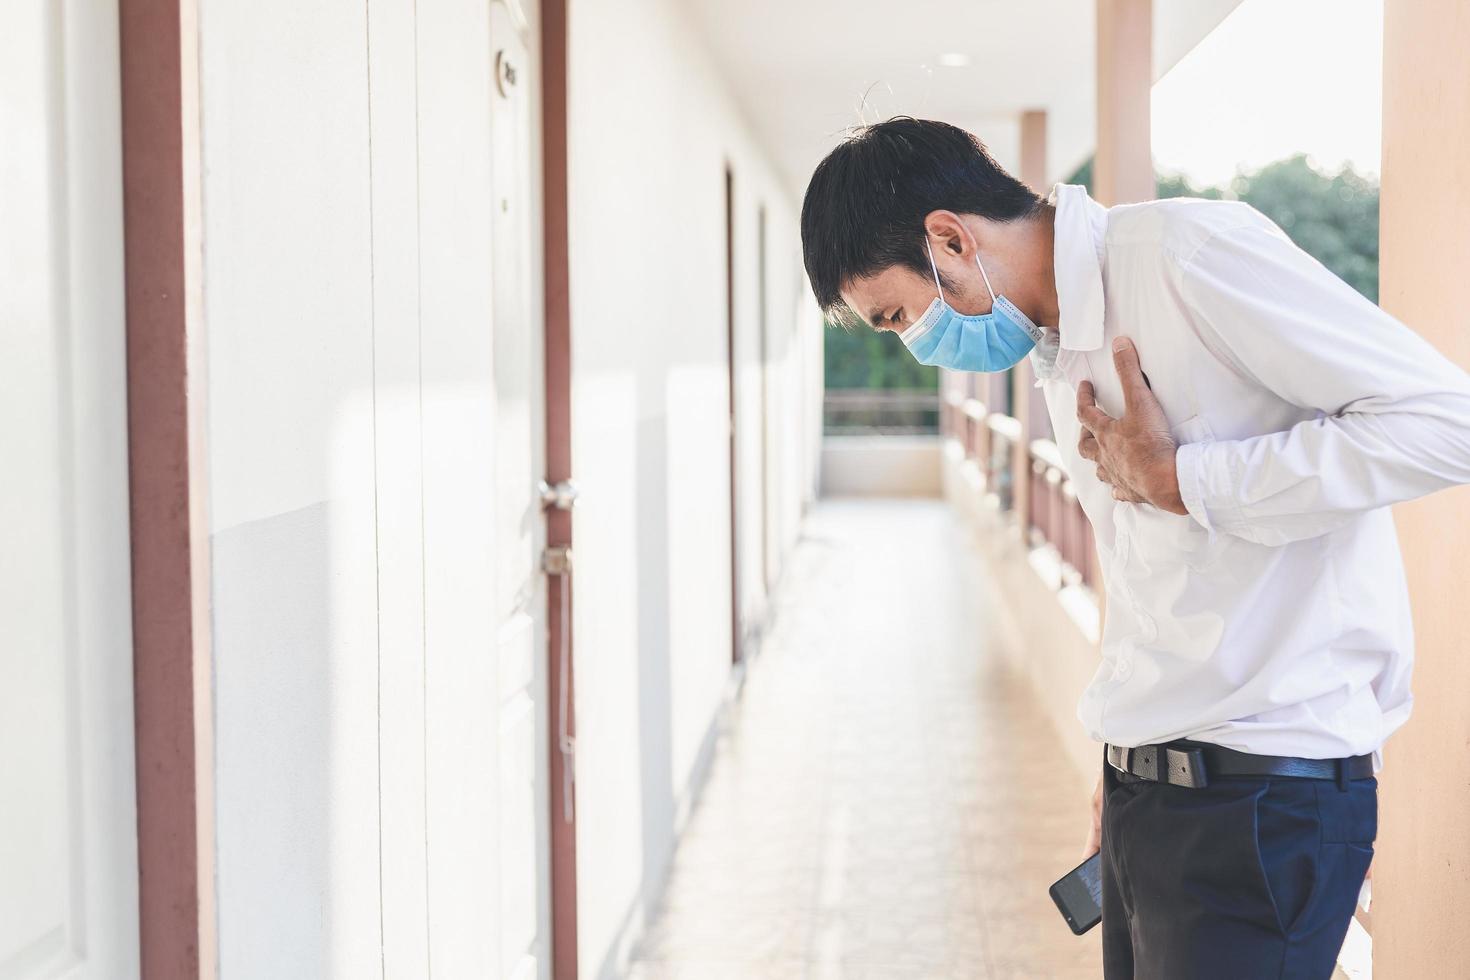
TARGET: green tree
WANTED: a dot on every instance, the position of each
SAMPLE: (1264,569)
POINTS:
(859,357)
(1334,218)
(1178,185)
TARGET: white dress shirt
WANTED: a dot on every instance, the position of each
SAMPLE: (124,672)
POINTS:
(1275,617)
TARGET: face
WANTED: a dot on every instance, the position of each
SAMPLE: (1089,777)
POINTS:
(893,298)
(897,296)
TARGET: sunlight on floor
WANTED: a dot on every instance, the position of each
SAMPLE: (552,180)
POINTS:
(886,803)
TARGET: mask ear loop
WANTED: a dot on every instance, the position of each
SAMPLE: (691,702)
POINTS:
(982,276)
(935,268)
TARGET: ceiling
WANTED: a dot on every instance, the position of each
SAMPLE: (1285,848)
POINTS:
(804,71)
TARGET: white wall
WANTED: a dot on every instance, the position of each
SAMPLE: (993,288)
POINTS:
(652,129)
(882,466)
(289,316)
(68,841)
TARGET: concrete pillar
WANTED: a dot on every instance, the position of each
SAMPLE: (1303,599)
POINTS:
(1421,874)
(1033,150)
(1123,170)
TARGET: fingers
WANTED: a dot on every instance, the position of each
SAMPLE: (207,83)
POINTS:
(1122,491)
(1087,446)
(1085,396)
(1130,373)
(1091,417)
(1095,423)
(1094,835)
(1089,449)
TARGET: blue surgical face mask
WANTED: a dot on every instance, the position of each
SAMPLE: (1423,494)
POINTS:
(990,341)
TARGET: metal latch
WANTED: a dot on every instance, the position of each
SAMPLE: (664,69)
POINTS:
(557,560)
(561,495)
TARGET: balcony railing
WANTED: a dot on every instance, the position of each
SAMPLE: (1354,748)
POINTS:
(989,439)
(974,433)
(1056,518)
(876,411)
(1003,433)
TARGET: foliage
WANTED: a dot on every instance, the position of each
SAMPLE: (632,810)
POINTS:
(1333,218)
(859,357)
(1178,185)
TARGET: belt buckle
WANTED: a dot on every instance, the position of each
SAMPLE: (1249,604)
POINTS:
(1185,767)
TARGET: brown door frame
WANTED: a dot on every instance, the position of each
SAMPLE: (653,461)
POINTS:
(558,395)
(173,714)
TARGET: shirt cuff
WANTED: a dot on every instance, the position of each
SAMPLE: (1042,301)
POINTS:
(1187,468)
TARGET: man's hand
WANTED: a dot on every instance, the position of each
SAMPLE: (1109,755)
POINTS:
(1094,837)
(1134,454)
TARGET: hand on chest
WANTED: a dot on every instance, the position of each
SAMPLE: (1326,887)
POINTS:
(1119,430)
(1164,373)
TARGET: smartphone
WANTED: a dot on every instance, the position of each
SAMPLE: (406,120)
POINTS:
(1078,895)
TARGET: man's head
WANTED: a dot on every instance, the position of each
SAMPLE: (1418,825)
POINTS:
(890,188)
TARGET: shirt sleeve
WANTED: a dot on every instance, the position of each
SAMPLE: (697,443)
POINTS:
(1391,414)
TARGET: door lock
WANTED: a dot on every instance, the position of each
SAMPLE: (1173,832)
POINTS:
(557,560)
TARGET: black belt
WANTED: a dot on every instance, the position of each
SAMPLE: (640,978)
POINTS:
(1194,764)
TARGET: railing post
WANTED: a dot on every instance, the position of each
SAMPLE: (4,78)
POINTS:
(1021,451)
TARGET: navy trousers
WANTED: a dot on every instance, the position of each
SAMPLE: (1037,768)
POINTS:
(1245,879)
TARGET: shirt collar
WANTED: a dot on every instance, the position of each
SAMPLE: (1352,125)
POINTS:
(1077,250)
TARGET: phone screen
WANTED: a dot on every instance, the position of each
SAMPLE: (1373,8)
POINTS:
(1078,895)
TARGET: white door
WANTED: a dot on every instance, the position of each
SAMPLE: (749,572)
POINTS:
(520,599)
(485,626)
(68,840)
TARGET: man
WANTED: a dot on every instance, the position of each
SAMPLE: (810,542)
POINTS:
(1236,422)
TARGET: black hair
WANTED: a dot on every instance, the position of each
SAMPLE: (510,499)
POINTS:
(865,206)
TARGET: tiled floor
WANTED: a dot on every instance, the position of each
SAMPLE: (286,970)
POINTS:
(879,806)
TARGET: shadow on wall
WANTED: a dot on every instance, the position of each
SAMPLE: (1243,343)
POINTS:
(655,705)
(653,639)
(272,624)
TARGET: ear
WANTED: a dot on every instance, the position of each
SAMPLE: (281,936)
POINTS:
(949,234)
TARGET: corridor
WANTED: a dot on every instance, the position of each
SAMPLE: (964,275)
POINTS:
(884,801)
